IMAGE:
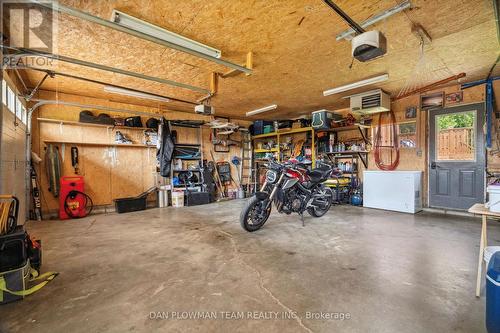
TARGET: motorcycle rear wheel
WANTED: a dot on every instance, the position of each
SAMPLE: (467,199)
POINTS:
(317,211)
(252,217)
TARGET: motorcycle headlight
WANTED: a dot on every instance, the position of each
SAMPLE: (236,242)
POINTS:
(271,176)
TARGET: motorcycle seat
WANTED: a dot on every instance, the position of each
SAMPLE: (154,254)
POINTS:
(318,175)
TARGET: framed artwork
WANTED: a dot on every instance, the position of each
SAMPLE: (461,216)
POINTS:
(411,112)
(454,98)
(407,134)
(431,101)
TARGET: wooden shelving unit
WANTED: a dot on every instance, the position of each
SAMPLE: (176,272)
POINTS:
(279,135)
(292,131)
(97,144)
(194,147)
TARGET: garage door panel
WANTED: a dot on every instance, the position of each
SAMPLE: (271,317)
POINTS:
(13,161)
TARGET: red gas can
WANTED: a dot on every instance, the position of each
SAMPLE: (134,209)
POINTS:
(70,201)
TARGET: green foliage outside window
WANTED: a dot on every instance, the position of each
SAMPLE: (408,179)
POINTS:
(456,120)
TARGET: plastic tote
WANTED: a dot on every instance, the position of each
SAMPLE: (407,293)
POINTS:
(493,294)
(494,203)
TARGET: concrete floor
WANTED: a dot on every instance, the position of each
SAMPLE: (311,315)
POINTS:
(384,271)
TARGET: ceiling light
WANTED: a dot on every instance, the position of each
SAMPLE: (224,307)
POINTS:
(160,33)
(264,109)
(362,83)
(133,93)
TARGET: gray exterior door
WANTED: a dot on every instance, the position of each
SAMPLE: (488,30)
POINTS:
(456,157)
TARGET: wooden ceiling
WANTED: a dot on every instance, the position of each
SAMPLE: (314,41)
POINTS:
(296,55)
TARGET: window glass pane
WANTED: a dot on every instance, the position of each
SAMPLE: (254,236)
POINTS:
(11,97)
(455,136)
(407,135)
(19,109)
(24,119)
(4,92)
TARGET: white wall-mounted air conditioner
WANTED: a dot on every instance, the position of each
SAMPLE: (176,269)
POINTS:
(370,102)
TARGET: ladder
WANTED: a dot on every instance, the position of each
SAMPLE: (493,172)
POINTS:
(247,172)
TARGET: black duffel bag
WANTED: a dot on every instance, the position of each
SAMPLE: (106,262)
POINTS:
(133,121)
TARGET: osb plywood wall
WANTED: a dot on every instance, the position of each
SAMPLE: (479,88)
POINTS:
(417,158)
(109,172)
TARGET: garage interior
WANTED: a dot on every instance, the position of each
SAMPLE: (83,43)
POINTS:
(222,166)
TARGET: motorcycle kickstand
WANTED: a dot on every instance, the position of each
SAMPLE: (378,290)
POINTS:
(302,218)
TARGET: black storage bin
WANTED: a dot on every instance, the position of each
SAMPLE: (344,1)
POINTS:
(197,198)
(133,204)
(126,205)
(258,126)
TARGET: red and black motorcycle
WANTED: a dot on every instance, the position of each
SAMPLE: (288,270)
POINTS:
(293,189)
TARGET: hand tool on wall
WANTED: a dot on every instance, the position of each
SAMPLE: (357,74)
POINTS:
(218,183)
(74,160)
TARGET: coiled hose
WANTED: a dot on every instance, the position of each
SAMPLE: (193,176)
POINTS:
(89,204)
(378,144)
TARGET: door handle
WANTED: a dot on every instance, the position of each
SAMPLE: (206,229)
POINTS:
(434,165)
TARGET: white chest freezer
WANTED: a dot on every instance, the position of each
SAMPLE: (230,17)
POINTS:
(400,191)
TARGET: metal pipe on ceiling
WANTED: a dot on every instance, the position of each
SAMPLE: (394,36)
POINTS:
(376,18)
(95,19)
(355,26)
(54,73)
(21,52)
(37,87)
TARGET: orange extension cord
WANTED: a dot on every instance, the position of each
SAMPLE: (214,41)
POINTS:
(395,146)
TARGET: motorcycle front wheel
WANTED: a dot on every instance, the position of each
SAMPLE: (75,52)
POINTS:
(321,210)
(254,214)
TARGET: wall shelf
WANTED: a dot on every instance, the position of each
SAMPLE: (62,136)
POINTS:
(77,123)
(292,131)
(265,150)
(96,144)
(344,128)
(363,156)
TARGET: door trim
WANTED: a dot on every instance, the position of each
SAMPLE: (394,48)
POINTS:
(481,105)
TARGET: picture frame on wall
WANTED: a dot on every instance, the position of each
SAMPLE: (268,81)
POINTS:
(454,98)
(411,112)
(431,101)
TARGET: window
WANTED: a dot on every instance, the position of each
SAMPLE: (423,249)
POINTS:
(455,136)
(19,109)
(11,100)
(24,119)
(4,92)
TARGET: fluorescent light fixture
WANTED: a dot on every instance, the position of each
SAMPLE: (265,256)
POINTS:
(264,109)
(362,83)
(160,33)
(133,93)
